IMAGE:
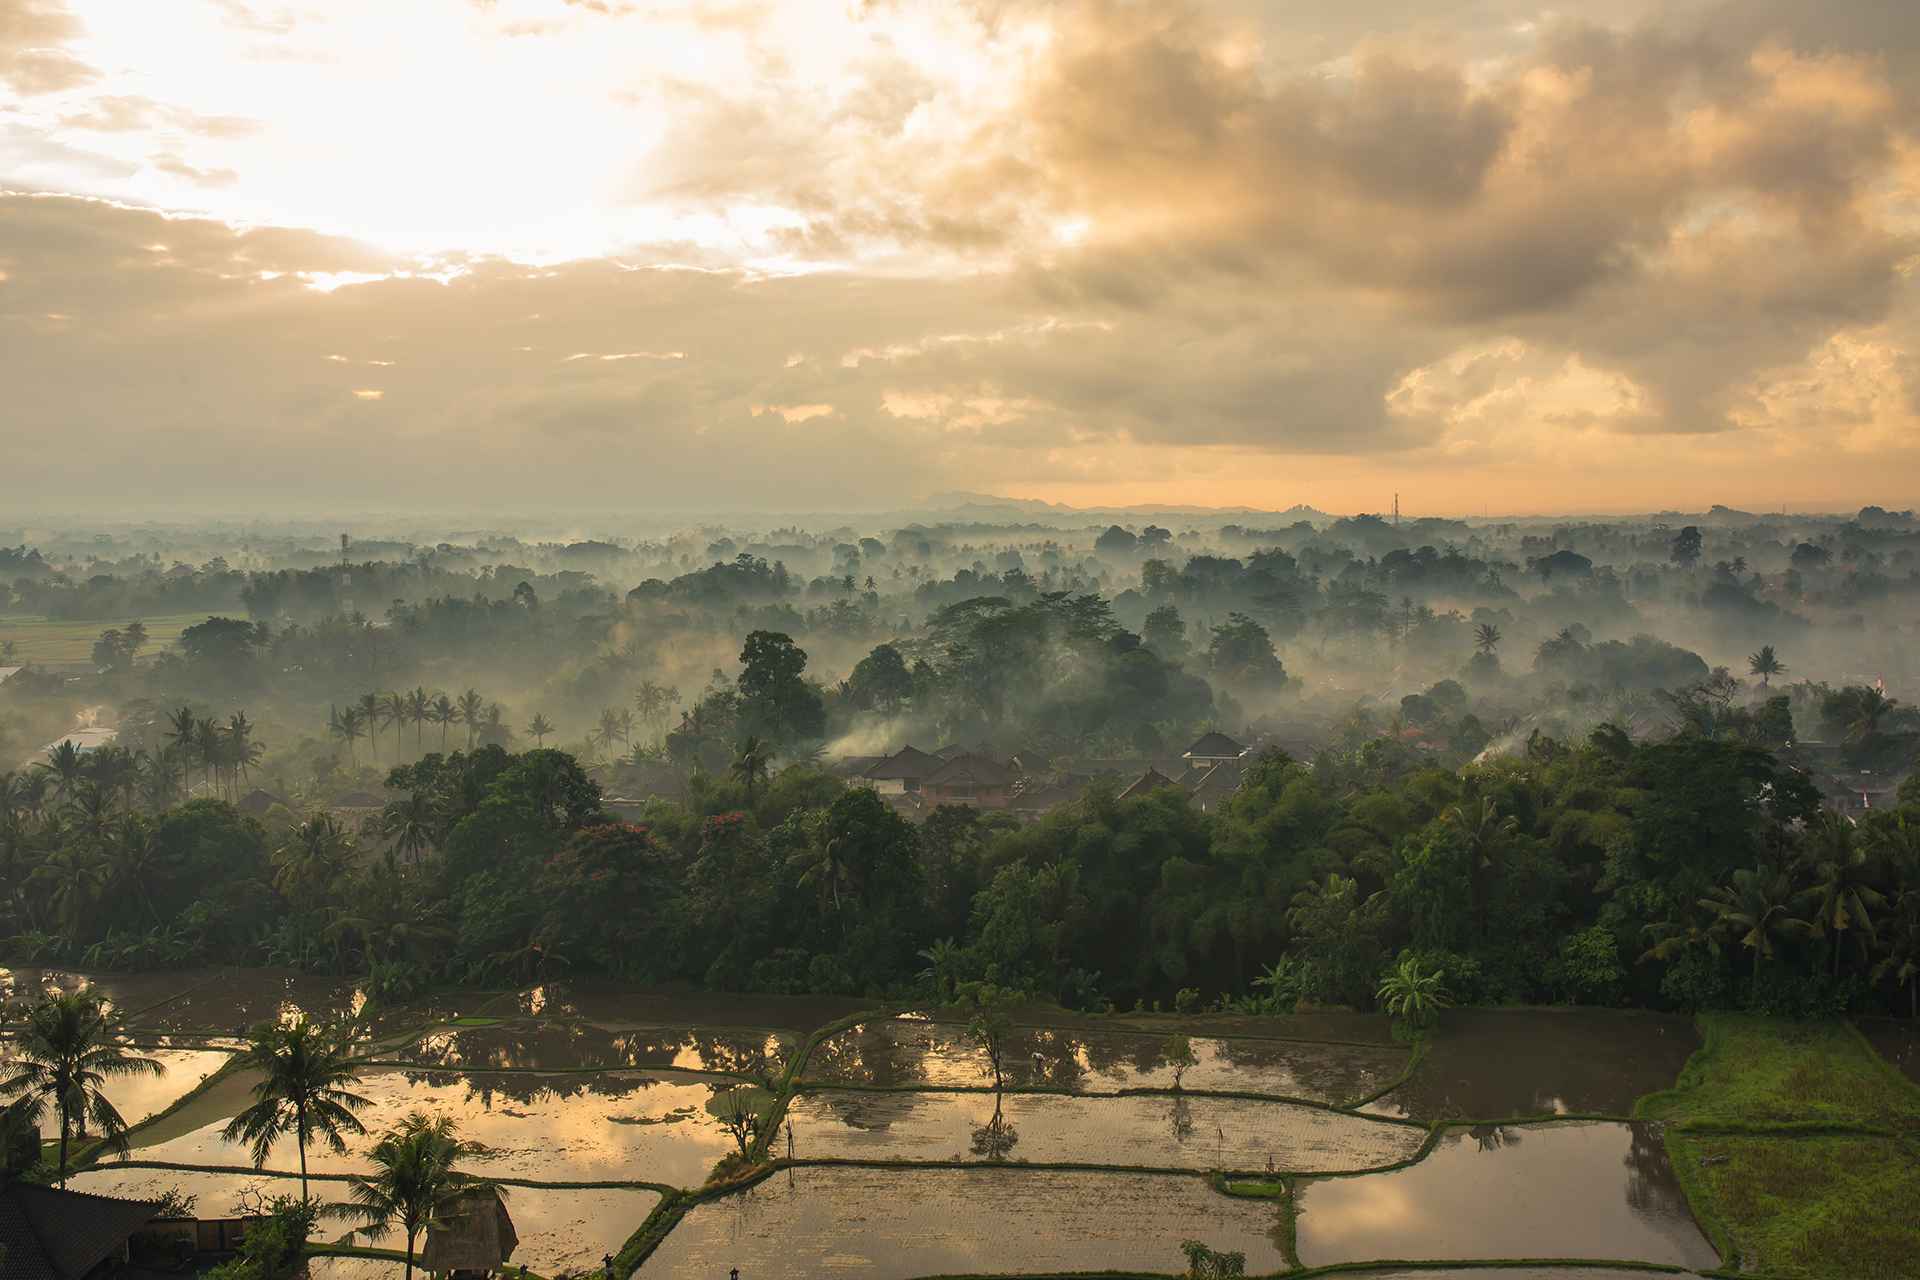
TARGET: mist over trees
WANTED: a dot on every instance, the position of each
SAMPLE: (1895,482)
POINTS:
(1557,761)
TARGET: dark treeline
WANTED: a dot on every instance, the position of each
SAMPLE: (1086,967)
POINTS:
(1690,872)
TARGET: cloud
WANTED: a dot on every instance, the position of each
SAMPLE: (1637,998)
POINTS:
(175,166)
(127,113)
(31,59)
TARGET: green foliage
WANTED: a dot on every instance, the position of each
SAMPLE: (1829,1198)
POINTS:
(275,1244)
(1587,969)
(1413,993)
(1204,1261)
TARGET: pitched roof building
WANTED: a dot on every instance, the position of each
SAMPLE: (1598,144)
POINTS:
(1213,747)
(50,1234)
(474,1238)
(904,770)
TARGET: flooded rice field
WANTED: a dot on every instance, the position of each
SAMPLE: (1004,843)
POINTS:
(916,1051)
(889,1224)
(1897,1041)
(569,1085)
(1150,1132)
(1571,1190)
(559,1229)
(136,1097)
(600,1127)
(1496,1064)
(556,1045)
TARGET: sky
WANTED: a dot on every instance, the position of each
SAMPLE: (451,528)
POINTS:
(1494,257)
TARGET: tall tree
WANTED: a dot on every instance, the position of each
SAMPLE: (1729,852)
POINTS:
(472,707)
(414,1184)
(1766,665)
(305,1075)
(63,1059)
(750,764)
(538,728)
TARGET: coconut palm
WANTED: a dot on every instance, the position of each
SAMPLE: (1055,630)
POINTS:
(1486,638)
(750,763)
(183,727)
(414,1184)
(393,711)
(1756,910)
(347,726)
(821,866)
(471,707)
(316,857)
(413,824)
(303,1091)
(418,705)
(538,728)
(373,713)
(1843,895)
(1766,665)
(75,876)
(242,749)
(210,746)
(442,712)
(1902,960)
(66,767)
(1409,991)
(63,1059)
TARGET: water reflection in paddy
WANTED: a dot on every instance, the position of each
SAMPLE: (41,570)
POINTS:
(559,1046)
(558,1228)
(1157,1132)
(917,1051)
(1495,1064)
(613,1126)
(125,993)
(1569,1190)
(893,1224)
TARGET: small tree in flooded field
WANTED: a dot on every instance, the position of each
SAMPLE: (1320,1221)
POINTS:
(1178,1051)
(1205,1261)
(738,1116)
(1414,995)
(991,1022)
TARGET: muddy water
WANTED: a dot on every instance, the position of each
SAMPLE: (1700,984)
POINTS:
(137,1097)
(1514,1273)
(1898,1041)
(236,999)
(558,1229)
(1491,1064)
(1570,1190)
(611,1127)
(895,1224)
(125,993)
(617,1007)
(917,1051)
(563,1045)
(1157,1132)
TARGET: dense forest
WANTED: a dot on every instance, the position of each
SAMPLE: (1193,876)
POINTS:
(1642,762)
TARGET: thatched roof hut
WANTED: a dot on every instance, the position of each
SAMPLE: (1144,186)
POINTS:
(476,1236)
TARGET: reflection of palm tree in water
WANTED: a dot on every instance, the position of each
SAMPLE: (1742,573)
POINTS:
(995,1139)
(1652,1188)
(1492,1137)
(1180,1120)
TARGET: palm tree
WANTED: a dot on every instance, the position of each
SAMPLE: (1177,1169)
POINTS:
(414,1184)
(1870,708)
(76,876)
(393,710)
(184,728)
(820,865)
(538,728)
(1902,961)
(1486,638)
(1409,991)
(750,763)
(443,713)
(64,1058)
(241,747)
(471,705)
(1843,894)
(1483,830)
(209,744)
(412,824)
(314,859)
(1756,909)
(418,705)
(1765,665)
(66,766)
(346,725)
(303,1091)
(373,714)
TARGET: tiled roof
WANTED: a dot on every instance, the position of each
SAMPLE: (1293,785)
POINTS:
(975,769)
(1216,746)
(49,1234)
(1151,780)
(908,762)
